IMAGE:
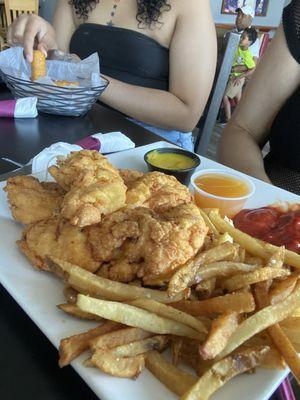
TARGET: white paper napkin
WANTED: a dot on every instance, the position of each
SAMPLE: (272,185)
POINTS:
(110,142)
(113,141)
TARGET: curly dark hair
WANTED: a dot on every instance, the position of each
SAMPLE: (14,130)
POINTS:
(149,11)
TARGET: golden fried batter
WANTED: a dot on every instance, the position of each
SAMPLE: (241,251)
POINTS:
(158,192)
(31,201)
(38,65)
(71,170)
(58,238)
(95,187)
(130,176)
(140,242)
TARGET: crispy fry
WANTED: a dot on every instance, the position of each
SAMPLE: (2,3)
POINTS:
(136,317)
(221,330)
(38,65)
(176,346)
(223,371)
(208,223)
(74,311)
(70,294)
(169,312)
(282,289)
(185,277)
(223,269)
(116,366)
(96,286)
(73,346)
(118,338)
(291,327)
(176,380)
(277,335)
(254,246)
(157,342)
(237,302)
(261,320)
(225,237)
(206,288)
(277,259)
(263,274)
(126,361)
(286,349)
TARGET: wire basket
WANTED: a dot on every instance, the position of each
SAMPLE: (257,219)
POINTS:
(70,101)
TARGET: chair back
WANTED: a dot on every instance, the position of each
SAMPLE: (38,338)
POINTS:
(207,123)
(14,8)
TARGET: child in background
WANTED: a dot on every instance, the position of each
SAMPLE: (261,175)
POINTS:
(242,67)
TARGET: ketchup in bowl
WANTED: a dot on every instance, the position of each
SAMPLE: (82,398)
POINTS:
(271,224)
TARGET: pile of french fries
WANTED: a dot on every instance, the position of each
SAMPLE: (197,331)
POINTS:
(233,307)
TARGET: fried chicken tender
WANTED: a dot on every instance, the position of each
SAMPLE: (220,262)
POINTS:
(71,170)
(157,191)
(141,243)
(58,238)
(130,176)
(32,201)
(95,187)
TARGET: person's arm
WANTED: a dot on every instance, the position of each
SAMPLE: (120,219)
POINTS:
(63,24)
(276,78)
(192,68)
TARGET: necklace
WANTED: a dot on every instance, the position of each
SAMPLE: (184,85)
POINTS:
(113,12)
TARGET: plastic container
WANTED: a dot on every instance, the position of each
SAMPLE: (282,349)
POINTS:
(228,204)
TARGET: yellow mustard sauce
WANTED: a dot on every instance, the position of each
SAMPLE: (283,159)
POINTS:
(170,160)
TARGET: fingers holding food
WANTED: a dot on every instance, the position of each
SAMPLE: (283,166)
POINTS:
(28,29)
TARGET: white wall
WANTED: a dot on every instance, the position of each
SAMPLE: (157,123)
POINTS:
(273,17)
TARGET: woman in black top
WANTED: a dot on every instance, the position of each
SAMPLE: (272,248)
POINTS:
(159,55)
(270,111)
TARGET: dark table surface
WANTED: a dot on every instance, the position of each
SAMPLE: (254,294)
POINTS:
(28,361)
(21,139)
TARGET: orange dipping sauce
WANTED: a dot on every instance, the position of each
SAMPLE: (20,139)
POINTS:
(222,185)
(221,189)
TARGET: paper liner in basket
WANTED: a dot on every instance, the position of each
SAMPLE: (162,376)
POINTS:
(52,99)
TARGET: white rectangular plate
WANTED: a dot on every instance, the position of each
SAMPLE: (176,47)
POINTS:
(38,293)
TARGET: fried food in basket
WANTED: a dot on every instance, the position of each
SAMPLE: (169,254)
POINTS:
(140,242)
(66,84)
(32,201)
(38,65)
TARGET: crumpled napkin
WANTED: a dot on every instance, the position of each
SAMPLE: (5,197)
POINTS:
(108,143)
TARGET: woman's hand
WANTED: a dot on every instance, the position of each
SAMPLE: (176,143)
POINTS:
(32,31)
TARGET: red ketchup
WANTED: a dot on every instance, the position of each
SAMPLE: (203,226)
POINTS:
(271,225)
